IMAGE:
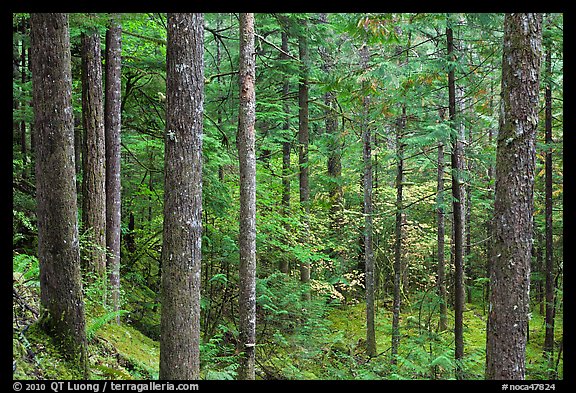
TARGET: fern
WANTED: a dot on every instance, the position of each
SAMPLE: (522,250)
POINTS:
(98,322)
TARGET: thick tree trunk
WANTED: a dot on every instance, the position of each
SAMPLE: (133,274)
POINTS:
(112,126)
(58,244)
(303,139)
(181,249)
(458,216)
(247,160)
(515,162)
(94,155)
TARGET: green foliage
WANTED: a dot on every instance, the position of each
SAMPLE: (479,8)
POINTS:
(97,323)
(217,356)
(296,339)
(25,269)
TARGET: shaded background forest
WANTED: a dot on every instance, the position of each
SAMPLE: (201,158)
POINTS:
(385,72)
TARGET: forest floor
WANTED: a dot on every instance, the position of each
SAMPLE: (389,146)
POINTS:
(333,347)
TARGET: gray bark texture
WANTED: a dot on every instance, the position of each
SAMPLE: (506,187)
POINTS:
(112,127)
(368,211)
(58,245)
(303,141)
(398,241)
(286,150)
(247,161)
(443,324)
(513,203)
(181,248)
(457,163)
(94,155)
(334,162)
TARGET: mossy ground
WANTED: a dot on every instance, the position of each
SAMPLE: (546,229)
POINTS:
(331,347)
(115,352)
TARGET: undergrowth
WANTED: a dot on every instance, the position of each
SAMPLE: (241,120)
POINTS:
(323,338)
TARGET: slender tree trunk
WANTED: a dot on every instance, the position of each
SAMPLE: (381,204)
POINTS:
(23,79)
(443,325)
(181,248)
(221,96)
(401,124)
(490,222)
(368,210)
(515,162)
(58,244)
(112,126)
(303,139)
(247,160)
(467,218)
(286,149)
(78,156)
(541,268)
(129,237)
(334,164)
(94,173)
(549,335)
(32,149)
(458,216)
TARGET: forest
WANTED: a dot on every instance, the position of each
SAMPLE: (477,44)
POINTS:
(287,196)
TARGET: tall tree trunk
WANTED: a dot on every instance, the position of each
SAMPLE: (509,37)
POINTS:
(334,164)
(515,162)
(368,210)
(58,244)
(286,149)
(181,248)
(458,216)
(467,214)
(94,174)
(303,139)
(23,79)
(112,126)
(541,268)
(549,336)
(490,222)
(129,236)
(247,160)
(78,158)
(443,325)
(401,124)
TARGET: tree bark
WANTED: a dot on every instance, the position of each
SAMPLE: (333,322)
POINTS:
(334,163)
(368,211)
(94,155)
(58,245)
(23,78)
(443,325)
(303,140)
(458,216)
(401,124)
(286,149)
(513,203)
(181,248)
(112,128)
(247,161)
